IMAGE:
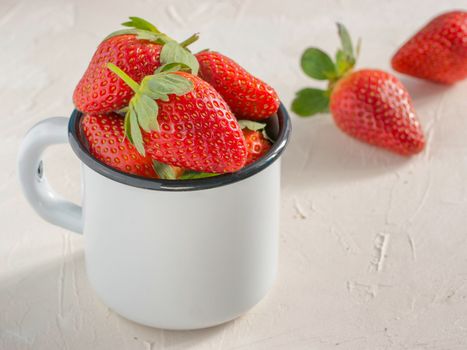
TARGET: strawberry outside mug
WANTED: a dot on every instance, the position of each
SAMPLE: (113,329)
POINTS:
(172,254)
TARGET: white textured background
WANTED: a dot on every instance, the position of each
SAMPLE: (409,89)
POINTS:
(373,247)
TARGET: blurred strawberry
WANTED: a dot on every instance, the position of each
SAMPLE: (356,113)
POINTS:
(438,52)
(373,106)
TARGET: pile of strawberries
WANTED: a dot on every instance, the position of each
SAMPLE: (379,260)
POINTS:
(374,106)
(152,108)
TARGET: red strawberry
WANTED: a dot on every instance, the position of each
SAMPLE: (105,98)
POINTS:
(373,106)
(107,143)
(190,126)
(438,52)
(370,105)
(247,96)
(138,52)
(256,144)
(99,90)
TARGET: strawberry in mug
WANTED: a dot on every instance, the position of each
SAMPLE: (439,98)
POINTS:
(176,121)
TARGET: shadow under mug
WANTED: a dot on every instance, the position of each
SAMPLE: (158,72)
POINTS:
(172,254)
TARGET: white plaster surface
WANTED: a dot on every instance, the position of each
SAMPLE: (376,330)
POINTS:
(373,251)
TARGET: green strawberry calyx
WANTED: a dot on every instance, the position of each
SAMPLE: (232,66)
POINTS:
(167,172)
(143,108)
(252,125)
(255,126)
(318,65)
(192,175)
(164,171)
(172,51)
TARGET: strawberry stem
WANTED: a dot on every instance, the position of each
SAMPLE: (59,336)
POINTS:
(125,77)
(189,40)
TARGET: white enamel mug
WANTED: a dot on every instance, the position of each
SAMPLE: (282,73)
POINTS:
(172,254)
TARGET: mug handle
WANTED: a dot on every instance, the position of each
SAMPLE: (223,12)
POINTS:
(48,204)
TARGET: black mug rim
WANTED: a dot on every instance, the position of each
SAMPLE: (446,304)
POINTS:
(180,185)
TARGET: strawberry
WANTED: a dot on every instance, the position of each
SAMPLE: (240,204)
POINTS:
(370,105)
(257,145)
(190,125)
(138,51)
(247,96)
(99,91)
(257,141)
(373,106)
(438,52)
(107,143)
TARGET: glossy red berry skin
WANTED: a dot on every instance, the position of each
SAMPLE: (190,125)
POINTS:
(374,107)
(105,136)
(247,96)
(257,145)
(100,90)
(197,132)
(438,52)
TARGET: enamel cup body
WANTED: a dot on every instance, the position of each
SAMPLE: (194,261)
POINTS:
(176,255)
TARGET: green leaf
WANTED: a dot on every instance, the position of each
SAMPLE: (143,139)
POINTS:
(158,38)
(172,52)
(173,67)
(249,124)
(121,32)
(310,101)
(140,23)
(136,136)
(317,64)
(127,126)
(122,75)
(345,58)
(122,111)
(146,110)
(343,63)
(160,85)
(164,171)
(174,84)
(190,175)
(153,37)
(346,42)
(267,137)
(190,40)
